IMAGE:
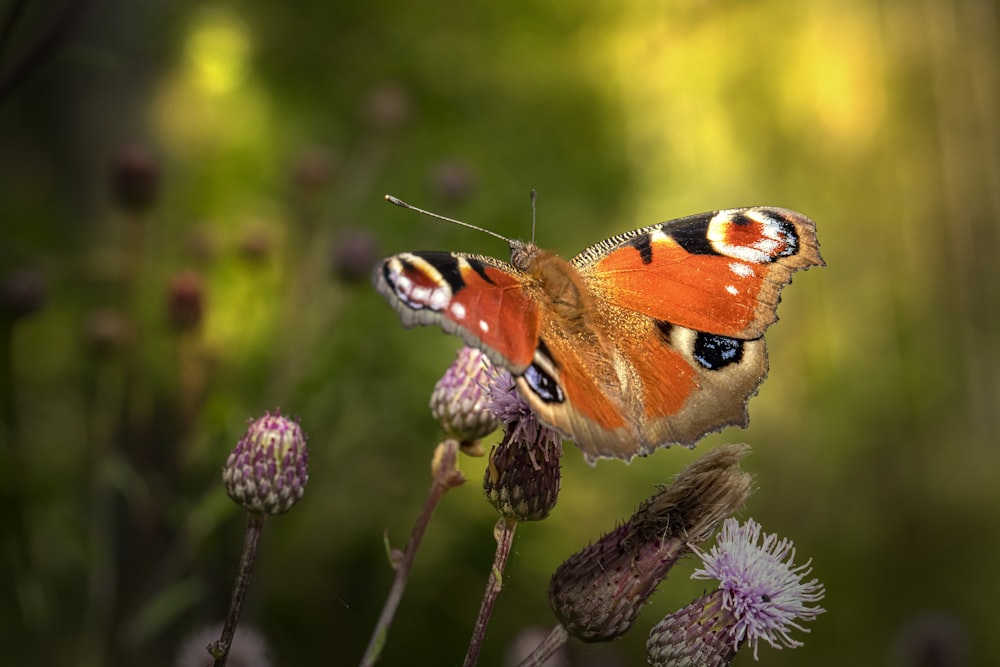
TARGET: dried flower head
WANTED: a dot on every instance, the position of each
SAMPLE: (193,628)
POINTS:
(523,476)
(598,592)
(761,595)
(269,468)
(460,402)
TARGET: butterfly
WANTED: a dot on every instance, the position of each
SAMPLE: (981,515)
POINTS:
(649,338)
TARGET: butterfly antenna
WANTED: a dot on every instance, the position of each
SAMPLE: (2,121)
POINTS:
(534,198)
(402,204)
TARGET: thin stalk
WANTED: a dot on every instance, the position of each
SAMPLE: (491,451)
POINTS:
(220,649)
(504,533)
(552,643)
(446,476)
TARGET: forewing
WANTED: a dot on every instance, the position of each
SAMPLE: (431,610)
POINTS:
(719,272)
(479,298)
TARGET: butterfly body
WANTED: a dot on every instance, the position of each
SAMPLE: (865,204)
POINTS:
(649,338)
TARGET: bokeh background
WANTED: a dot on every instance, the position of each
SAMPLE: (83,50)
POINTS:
(191,201)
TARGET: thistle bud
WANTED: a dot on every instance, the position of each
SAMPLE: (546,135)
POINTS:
(523,475)
(185,301)
(135,177)
(598,592)
(761,595)
(353,255)
(459,401)
(22,293)
(268,470)
(452,181)
(695,636)
(387,106)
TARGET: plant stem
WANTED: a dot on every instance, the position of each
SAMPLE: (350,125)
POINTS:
(504,533)
(446,476)
(220,649)
(552,643)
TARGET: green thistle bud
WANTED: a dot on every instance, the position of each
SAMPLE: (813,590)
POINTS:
(598,592)
(268,470)
(459,401)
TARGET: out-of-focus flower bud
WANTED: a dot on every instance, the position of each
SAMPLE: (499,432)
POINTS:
(135,177)
(185,301)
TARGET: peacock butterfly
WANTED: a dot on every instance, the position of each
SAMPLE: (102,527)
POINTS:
(646,339)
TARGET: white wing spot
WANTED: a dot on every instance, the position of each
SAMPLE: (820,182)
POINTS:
(732,290)
(484,327)
(741,269)
(458,310)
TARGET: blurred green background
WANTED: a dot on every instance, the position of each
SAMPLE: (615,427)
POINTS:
(191,200)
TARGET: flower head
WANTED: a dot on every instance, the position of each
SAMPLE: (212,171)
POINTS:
(514,413)
(523,476)
(268,470)
(598,592)
(760,585)
(460,402)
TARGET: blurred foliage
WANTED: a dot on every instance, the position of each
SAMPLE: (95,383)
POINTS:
(191,194)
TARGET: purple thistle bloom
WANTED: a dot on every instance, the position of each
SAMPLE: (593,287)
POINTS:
(522,478)
(760,585)
(514,413)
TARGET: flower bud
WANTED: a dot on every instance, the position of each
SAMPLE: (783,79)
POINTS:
(695,636)
(135,177)
(22,293)
(268,471)
(523,476)
(387,106)
(354,253)
(185,301)
(459,401)
(598,592)
(452,181)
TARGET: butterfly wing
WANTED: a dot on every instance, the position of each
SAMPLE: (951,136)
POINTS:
(478,298)
(719,272)
(641,384)
(680,309)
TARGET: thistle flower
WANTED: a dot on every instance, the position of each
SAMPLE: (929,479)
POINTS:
(761,595)
(268,470)
(598,592)
(523,476)
(460,402)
